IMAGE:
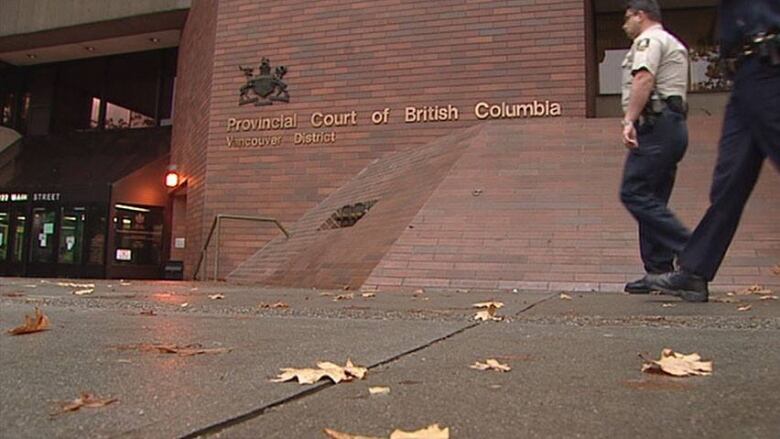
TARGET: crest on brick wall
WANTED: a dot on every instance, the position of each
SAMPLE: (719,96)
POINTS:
(265,88)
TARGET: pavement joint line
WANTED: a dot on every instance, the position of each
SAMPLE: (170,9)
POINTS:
(257,412)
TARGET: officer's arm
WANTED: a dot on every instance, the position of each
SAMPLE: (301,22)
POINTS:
(641,87)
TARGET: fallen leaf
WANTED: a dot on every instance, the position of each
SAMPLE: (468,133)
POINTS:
(84,292)
(216,296)
(124,284)
(491,364)
(769,298)
(327,294)
(348,296)
(148,312)
(184,305)
(754,289)
(460,290)
(345,288)
(431,432)
(184,351)
(36,323)
(418,292)
(668,305)
(744,308)
(14,294)
(497,305)
(75,285)
(274,305)
(333,434)
(86,400)
(378,390)
(730,294)
(324,369)
(30,286)
(677,364)
(368,295)
(565,296)
(776,270)
(488,314)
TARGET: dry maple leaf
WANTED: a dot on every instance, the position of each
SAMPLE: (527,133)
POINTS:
(368,295)
(488,314)
(327,369)
(333,434)
(148,312)
(38,322)
(378,390)
(274,305)
(75,285)
(496,305)
(348,296)
(491,364)
(754,289)
(769,297)
(677,364)
(86,400)
(84,292)
(216,296)
(565,296)
(431,432)
(744,308)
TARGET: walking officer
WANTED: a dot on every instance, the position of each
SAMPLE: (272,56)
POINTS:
(750,44)
(655,82)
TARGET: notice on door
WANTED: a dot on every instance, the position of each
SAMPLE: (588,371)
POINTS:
(123,254)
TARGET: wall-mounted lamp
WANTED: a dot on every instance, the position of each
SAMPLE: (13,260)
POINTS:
(172,178)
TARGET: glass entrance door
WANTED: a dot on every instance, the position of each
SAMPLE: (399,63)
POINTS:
(13,235)
(72,221)
(42,244)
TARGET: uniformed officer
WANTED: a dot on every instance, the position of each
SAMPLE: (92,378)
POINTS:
(655,82)
(750,41)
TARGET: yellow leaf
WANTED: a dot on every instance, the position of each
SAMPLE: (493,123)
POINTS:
(84,292)
(324,369)
(744,308)
(378,390)
(677,364)
(184,305)
(491,364)
(488,314)
(216,296)
(333,434)
(496,305)
(565,296)
(36,323)
(431,432)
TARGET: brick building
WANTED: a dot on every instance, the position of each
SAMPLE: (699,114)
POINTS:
(452,144)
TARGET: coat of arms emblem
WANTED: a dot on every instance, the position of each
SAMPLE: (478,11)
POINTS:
(265,88)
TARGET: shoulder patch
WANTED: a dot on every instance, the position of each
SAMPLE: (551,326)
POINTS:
(643,44)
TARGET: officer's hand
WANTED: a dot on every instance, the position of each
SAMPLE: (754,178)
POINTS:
(629,137)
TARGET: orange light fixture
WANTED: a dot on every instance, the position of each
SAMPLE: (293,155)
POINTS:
(171,177)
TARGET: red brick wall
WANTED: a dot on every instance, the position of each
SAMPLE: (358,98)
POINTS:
(361,56)
(189,140)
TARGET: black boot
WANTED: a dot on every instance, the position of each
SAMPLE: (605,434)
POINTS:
(687,286)
(639,286)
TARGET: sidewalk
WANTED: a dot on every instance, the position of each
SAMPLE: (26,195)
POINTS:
(575,364)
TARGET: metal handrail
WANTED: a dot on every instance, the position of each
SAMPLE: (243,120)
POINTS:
(217,225)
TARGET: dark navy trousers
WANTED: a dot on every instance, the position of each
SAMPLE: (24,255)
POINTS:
(648,178)
(751,132)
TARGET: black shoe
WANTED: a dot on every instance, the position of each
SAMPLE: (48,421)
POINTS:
(639,286)
(689,287)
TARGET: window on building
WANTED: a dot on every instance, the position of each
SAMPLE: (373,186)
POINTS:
(693,22)
(137,235)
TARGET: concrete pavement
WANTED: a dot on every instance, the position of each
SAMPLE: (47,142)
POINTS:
(576,370)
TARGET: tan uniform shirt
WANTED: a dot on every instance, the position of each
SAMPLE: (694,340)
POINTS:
(661,54)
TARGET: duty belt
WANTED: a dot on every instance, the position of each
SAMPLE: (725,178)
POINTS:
(765,46)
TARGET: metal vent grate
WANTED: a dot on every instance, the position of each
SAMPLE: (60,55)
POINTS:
(348,215)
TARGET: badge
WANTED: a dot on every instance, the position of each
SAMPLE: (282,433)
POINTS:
(643,44)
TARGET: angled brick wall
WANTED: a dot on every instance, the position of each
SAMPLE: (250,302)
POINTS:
(548,215)
(363,56)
